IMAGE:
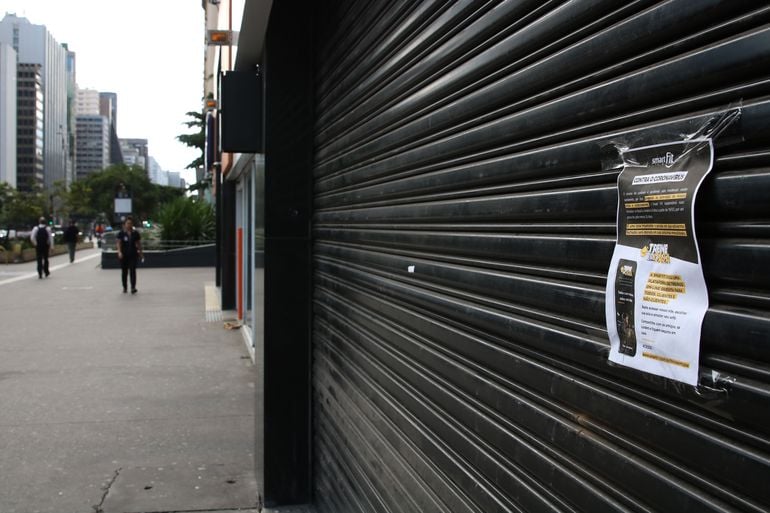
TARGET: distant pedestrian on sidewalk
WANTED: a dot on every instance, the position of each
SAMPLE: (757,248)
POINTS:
(42,238)
(129,252)
(71,238)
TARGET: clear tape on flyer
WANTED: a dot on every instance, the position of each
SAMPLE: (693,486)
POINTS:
(713,126)
(709,130)
(714,384)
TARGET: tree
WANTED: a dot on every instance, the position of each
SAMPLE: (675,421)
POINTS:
(200,185)
(165,194)
(22,209)
(197,139)
(79,200)
(146,196)
(58,199)
(94,195)
(6,191)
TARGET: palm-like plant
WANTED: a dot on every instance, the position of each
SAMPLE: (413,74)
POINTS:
(185,219)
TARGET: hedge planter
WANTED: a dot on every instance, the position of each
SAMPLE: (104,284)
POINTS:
(196,256)
(18,256)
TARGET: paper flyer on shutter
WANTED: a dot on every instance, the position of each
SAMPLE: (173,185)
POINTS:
(656,294)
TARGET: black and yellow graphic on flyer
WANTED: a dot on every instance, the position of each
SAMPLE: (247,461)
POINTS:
(656,295)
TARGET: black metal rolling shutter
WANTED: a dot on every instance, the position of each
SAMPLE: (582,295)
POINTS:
(463,228)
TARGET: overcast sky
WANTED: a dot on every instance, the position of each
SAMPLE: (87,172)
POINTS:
(149,52)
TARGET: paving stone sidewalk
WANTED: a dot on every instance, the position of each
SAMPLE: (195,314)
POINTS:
(116,403)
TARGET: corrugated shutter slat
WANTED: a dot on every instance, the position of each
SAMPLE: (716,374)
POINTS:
(464,221)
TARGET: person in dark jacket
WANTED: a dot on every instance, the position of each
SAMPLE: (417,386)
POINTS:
(42,239)
(71,238)
(129,252)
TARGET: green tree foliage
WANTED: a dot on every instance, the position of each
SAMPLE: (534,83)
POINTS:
(86,199)
(197,139)
(166,194)
(5,194)
(20,209)
(79,200)
(186,219)
(99,190)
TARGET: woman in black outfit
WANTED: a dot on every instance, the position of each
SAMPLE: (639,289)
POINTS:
(129,252)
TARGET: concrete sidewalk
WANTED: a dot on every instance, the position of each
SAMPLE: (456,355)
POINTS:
(116,403)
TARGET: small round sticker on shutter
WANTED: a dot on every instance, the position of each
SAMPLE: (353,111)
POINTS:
(410,269)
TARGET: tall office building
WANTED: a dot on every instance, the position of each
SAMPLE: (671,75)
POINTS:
(72,87)
(35,45)
(154,170)
(29,119)
(175,179)
(108,107)
(135,152)
(8,95)
(87,102)
(93,144)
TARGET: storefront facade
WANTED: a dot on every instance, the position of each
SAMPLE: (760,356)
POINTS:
(440,213)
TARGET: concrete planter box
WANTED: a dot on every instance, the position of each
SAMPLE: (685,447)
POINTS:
(29,255)
(196,256)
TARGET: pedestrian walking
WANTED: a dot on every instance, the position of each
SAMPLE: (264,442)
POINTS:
(42,239)
(129,244)
(71,238)
(99,230)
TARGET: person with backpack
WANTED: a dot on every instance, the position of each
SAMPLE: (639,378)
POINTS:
(42,238)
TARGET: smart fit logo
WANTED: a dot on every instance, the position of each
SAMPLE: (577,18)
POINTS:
(665,160)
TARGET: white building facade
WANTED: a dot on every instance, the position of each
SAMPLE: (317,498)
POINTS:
(8,114)
(35,45)
(155,172)
(135,152)
(87,102)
